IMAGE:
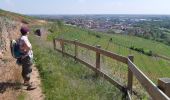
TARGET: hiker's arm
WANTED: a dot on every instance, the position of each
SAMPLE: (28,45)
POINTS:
(26,48)
(28,44)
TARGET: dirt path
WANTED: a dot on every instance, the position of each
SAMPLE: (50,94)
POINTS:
(35,94)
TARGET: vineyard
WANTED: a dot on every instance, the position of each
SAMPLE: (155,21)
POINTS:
(153,67)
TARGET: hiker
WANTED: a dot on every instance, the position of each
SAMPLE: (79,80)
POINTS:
(38,32)
(27,56)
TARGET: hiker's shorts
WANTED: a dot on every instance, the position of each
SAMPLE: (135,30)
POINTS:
(26,68)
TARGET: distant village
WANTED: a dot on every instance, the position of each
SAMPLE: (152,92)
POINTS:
(154,27)
(110,24)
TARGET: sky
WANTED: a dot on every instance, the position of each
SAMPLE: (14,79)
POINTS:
(87,6)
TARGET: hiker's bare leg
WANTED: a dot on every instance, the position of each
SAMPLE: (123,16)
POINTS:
(26,69)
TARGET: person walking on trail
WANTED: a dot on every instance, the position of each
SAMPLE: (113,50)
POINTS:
(27,57)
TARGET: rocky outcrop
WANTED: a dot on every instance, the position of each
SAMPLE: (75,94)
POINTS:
(8,30)
(10,72)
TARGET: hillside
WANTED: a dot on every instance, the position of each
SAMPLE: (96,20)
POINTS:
(65,79)
(120,44)
(10,72)
(21,18)
(62,77)
(153,67)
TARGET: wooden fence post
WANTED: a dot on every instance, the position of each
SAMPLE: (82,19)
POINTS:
(98,59)
(130,76)
(76,50)
(164,85)
(62,46)
(54,43)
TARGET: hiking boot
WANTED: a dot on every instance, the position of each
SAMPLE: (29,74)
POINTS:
(31,87)
(27,83)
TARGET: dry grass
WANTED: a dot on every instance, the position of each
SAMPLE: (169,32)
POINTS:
(10,77)
(10,72)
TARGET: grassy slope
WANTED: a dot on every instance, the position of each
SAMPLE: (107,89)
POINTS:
(63,79)
(14,16)
(153,67)
(19,17)
(156,47)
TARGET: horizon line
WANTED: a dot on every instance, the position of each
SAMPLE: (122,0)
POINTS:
(154,14)
(102,14)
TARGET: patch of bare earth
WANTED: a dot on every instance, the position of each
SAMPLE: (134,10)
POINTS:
(9,71)
(10,77)
(35,94)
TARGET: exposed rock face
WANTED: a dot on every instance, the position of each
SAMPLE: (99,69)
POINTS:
(10,72)
(8,31)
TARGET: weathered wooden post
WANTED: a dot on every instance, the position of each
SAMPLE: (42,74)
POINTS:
(130,76)
(164,85)
(54,43)
(76,49)
(98,59)
(62,46)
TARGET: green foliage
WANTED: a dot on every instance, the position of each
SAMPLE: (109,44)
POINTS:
(141,50)
(153,67)
(154,30)
(120,44)
(63,79)
(53,28)
(22,96)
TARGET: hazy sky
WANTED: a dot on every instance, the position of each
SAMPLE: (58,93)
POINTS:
(87,6)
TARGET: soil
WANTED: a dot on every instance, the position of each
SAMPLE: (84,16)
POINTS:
(35,94)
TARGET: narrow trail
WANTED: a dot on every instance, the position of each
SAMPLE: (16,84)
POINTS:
(35,94)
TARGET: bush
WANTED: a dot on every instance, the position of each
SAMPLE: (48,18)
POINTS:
(98,36)
(132,47)
(110,40)
(141,50)
(149,53)
(25,22)
(50,30)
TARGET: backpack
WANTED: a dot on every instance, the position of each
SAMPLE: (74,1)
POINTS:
(15,49)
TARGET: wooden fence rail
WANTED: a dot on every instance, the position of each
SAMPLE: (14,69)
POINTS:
(133,70)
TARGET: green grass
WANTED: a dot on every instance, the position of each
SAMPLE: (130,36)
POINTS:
(72,33)
(154,67)
(63,79)
(22,96)
(156,47)
(16,16)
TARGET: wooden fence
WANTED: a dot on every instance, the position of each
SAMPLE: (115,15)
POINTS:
(133,70)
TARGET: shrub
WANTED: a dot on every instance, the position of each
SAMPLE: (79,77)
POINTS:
(149,53)
(98,36)
(141,50)
(110,40)
(132,47)
(50,30)
(25,22)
